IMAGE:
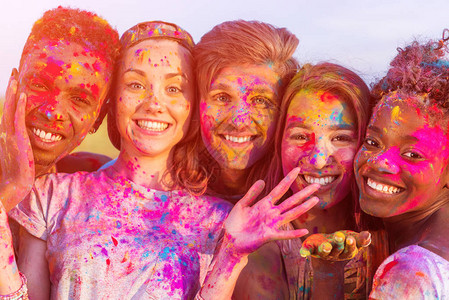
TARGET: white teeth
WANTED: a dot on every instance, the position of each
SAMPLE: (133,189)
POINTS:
(153,126)
(236,139)
(47,136)
(384,188)
(321,180)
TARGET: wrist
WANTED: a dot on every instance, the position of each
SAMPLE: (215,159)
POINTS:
(230,249)
(19,294)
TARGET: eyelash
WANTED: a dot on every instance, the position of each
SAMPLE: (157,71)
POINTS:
(81,99)
(342,138)
(177,89)
(135,86)
(419,157)
(266,102)
(412,155)
(38,86)
(299,137)
(371,142)
(222,97)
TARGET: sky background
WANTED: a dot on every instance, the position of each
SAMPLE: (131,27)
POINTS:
(362,35)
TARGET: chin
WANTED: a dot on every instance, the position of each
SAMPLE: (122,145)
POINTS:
(237,164)
(326,203)
(371,208)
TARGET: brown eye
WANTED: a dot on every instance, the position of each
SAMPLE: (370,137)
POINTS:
(412,155)
(299,137)
(262,102)
(223,98)
(371,142)
(135,86)
(173,89)
(342,138)
(38,86)
(79,99)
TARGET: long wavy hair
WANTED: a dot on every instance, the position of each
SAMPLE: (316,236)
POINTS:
(326,77)
(185,170)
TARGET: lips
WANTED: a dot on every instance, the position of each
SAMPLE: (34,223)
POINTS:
(152,125)
(382,187)
(45,136)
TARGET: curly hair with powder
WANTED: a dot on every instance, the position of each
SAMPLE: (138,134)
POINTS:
(420,69)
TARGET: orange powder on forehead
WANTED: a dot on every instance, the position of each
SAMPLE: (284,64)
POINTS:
(396,115)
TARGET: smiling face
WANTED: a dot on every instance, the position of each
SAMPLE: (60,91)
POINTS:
(320,137)
(154,91)
(402,166)
(65,86)
(239,114)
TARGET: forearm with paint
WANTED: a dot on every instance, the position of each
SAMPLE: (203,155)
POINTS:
(227,266)
(10,280)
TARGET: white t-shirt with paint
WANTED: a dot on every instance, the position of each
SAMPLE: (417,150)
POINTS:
(108,238)
(412,272)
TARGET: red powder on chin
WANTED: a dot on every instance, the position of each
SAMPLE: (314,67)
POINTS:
(108,261)
(114,241)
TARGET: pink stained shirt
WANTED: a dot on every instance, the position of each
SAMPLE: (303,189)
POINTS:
(412,272)
(108,238)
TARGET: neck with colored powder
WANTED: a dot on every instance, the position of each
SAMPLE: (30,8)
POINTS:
(427,229)
(144,171)
(44,169)
(230,183)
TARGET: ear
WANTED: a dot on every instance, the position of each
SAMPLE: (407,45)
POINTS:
(15,74)
(104,110)
(446,185)
(446,177)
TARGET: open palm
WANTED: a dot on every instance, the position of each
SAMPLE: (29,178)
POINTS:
(249,226)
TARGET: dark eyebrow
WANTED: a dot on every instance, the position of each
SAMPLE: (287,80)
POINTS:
(171,75)
(341,127)
(263,90)
(220,86)
(140,72)
(168,75)
(375,129)
(407,138)
(42,75)
(332,127)
(81,90)
(297,124)
(257,88)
